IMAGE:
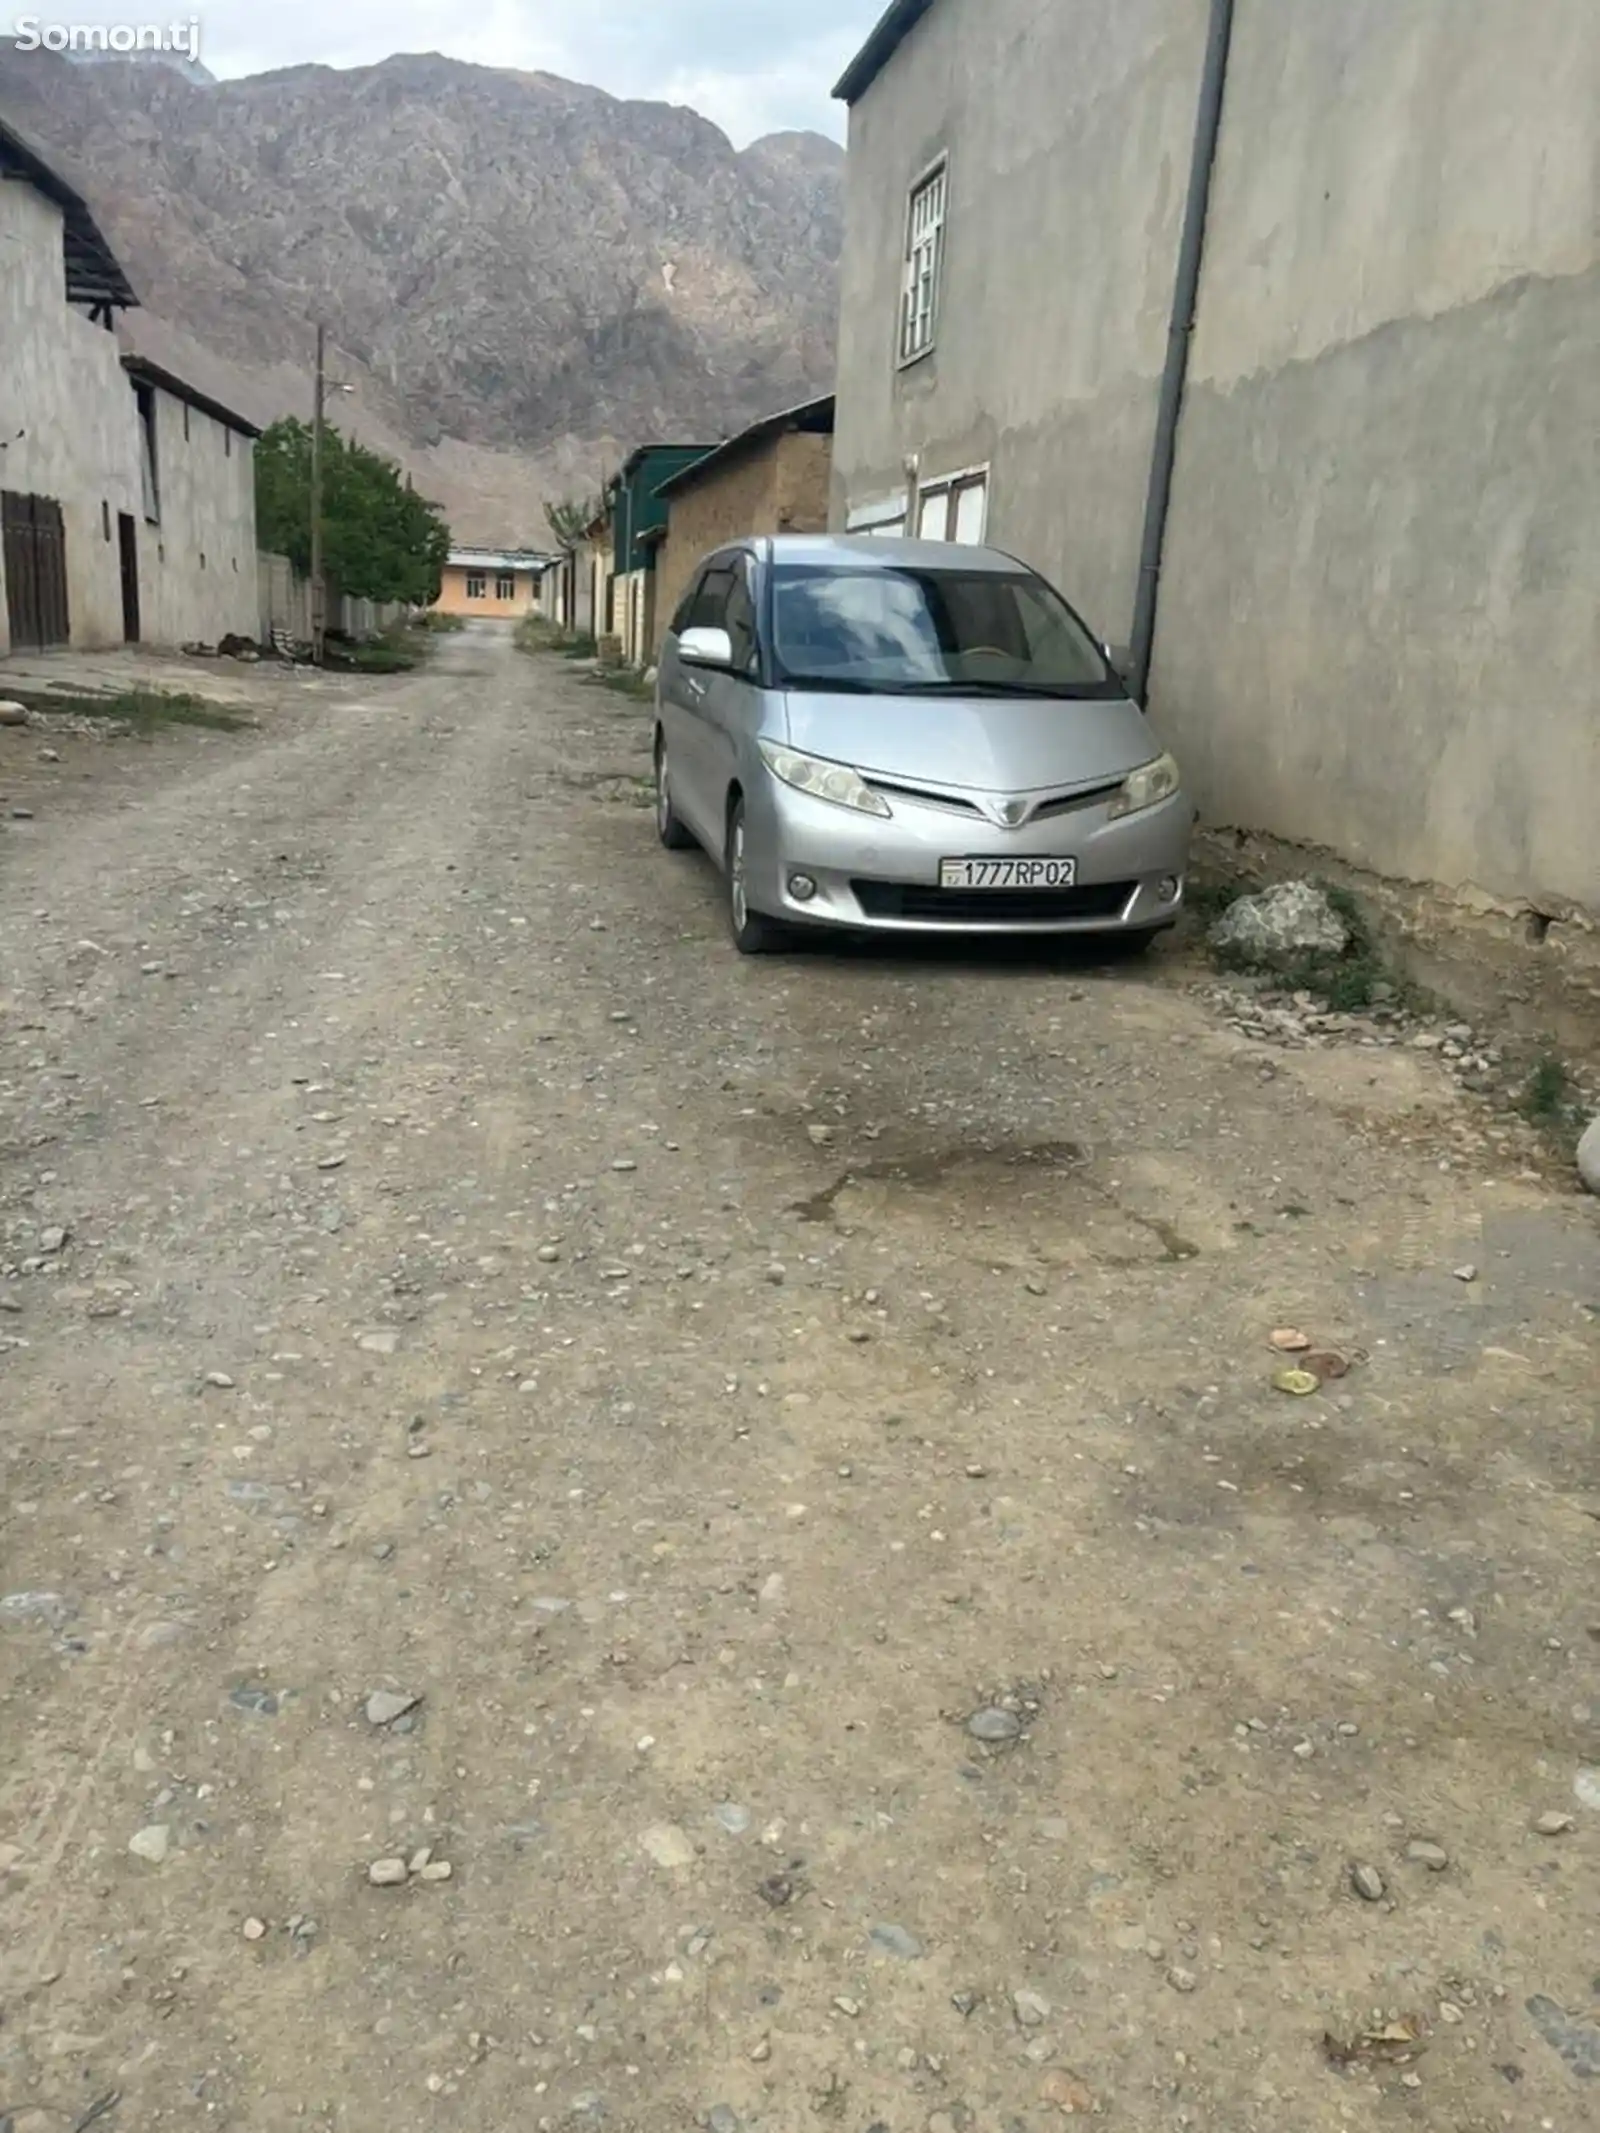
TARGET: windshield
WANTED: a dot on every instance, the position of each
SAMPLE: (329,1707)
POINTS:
(937,632)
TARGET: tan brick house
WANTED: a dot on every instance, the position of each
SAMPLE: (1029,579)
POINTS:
(771,478)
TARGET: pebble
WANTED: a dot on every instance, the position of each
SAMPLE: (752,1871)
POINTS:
(624,1163)
(667,1846)
(1433,1856)
(1589,1157)
(1031,2009)
(51,1608)
(388,1873)
(549,1253)
(896,1941)
(12,713)
(333,1162)
(847,2006)
(1587,1787)
(254,1929)
(1367,1882)
(52,1241)
(994,1725)
(761,2050)
(436,1870)
(152,1844)
(384,1341)
(220,1380)
(1554,1824)
(1068,2094)
(735,1820)
(722,2118)
(1466,1273)
(22,814)
(1182,1980)
(384,1706)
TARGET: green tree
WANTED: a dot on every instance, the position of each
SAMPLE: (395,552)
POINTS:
(569,515)
(380,540)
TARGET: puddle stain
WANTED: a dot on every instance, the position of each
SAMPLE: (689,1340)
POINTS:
(926,1173)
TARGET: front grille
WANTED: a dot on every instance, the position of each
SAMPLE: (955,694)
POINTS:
(923,797)
(977,907)
(1069,802)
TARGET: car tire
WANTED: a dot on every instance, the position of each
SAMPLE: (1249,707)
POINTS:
(753,932)
(670,827)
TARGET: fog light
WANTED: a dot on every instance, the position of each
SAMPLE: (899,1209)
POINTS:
(1167,889)
(802,888)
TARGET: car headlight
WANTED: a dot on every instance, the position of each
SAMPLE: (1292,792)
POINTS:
(1145,787)
(823,781)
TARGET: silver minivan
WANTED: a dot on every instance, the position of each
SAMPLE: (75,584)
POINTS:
(912,737)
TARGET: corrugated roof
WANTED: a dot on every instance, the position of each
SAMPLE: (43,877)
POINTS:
(814,415)
(893,28)
(94,273)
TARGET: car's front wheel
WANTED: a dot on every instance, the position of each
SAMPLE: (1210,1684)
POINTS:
(670,827)
(753,932)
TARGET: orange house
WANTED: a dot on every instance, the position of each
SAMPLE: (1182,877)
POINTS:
(501,583)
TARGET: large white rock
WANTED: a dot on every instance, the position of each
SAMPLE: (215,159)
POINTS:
(1291,918)
(1589,1157)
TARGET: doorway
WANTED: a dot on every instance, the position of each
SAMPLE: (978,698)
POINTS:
(35,548)
(128,549)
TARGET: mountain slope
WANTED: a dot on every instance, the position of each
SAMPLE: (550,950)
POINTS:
(511,266)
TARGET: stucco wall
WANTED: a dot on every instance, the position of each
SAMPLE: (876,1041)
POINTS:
(1379,630)
(805,466)
(1380,614)
(1068,132)
(62,384)
(197,565)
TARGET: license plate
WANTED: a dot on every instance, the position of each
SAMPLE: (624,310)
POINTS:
(1007,873)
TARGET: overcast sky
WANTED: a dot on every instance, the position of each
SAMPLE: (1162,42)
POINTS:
(751,65)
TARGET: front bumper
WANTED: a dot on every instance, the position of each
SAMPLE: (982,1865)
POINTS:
(881,874)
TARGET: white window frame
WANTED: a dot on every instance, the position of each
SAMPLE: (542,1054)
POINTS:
(505,585)
(927,214)
(885,516)
(945,489)
(477,585)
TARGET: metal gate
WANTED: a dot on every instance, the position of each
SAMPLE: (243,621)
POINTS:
(35,550)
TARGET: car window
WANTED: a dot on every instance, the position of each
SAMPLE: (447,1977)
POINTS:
(739,620)
(709,609)
(685,607)
(932,632)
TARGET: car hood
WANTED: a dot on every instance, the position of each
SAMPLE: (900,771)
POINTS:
(984,743)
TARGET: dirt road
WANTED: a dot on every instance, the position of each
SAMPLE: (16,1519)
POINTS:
(884,1655)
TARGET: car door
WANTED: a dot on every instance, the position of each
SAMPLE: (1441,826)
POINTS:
(679,691)
(696,696)
(731,705)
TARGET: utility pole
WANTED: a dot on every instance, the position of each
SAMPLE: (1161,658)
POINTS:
(319,616)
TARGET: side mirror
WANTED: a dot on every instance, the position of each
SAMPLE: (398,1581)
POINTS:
(706,648)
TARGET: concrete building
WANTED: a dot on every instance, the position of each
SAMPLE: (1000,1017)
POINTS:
(127,500)
(1377,554)
(197,555)
(771,478)
(499,583)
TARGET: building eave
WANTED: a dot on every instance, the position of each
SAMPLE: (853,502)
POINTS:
(145,372)
(94,273)
(813,415)
(894,26)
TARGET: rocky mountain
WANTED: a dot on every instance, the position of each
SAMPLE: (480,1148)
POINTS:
(522,277)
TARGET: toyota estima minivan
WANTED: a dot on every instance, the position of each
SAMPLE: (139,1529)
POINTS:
(909,736)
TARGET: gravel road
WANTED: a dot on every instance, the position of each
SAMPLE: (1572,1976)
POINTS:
(598,1535)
